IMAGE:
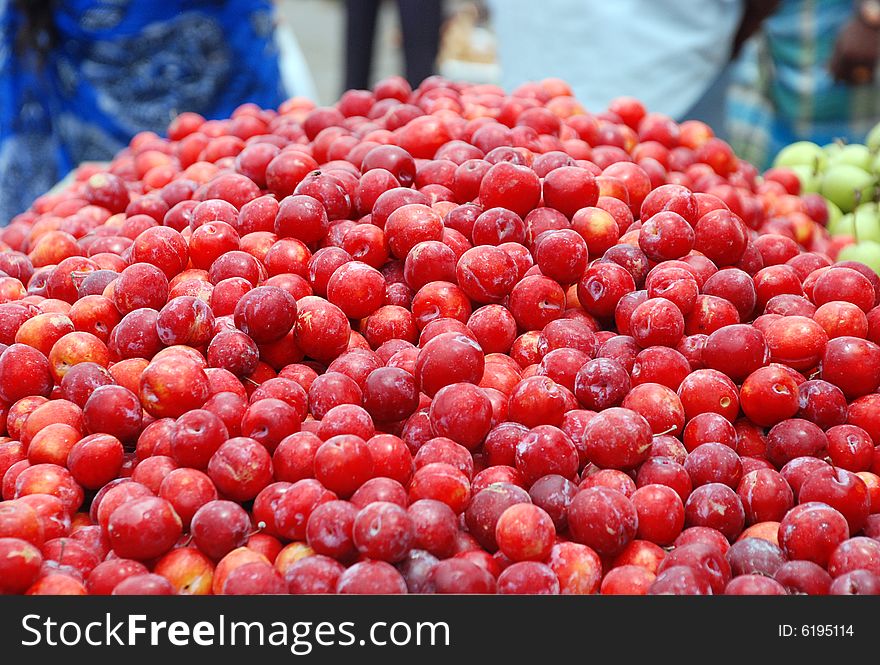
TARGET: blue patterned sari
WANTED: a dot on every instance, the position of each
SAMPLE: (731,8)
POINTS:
(118,67)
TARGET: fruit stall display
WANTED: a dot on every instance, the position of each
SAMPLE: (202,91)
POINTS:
(437,340)
(843,178)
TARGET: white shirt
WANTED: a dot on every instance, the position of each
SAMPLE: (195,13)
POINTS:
(664,52)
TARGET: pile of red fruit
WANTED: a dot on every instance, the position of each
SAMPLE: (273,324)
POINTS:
(442,340)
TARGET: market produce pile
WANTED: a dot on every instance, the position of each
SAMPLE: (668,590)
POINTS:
(442,340)
(846,175)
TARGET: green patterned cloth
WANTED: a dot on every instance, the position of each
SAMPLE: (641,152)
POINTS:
(782,89)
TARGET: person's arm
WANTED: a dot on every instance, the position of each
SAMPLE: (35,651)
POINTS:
(36,32)
(858,45)
(754,14)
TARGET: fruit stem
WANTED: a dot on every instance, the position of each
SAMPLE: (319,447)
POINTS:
(855,212)
(668,430)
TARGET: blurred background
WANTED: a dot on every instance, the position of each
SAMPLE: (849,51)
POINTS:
(467,49)
(79,78)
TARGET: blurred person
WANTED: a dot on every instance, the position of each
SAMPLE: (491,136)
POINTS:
(809,75)
(670,54)
(420,22)
(78,78)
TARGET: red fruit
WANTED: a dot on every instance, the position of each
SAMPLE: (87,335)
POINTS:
(636,182)
(715,506)
(709,428)
(796,341)
(442,482)
(538,400)
(736,350)
(713,463)
(611,478)
(838,283)
(822,403)
(660,365)
(602,519)
(163,247)
(446,359)
(383,531)
(107,191)
(570,188)
(850,447)
(95,460)
(218,527)
(735,286)
(459,576)
(20,563)
(24,371)
(268,421)
(322,330)
(794,438)
(812,531)
(463,413)
(766,496)
(803,577)
(856,583)
(628,580)
(769,395)
(511,186)
(721,236)
(113,410)
(140,285)
(705,560)
(240,468)
(343,463)
(525,532)
(409,225)
(143,528)
(618,439)
(853,365)
(495,226)
(656,322)
(536,301)
(187,490)
(486,274)
(666,236)
(602,286)
(660,512)
(173,386)
(601,383)
(543,451)
(302,217)
(842,490)
(677,284)
(577,567)
(196,437)
(357,289)
(709,391)
(266,314)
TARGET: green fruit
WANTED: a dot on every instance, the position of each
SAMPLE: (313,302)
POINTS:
(869,208)
(832,149)
(847,186)
(842,226)
(873,138)
(804,153)
(865,251)
(875,165)
(834,212)
(808,177)
(855,154)
(864,225)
